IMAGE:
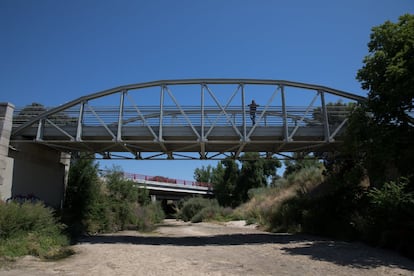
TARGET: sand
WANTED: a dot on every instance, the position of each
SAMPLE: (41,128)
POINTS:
(179,248)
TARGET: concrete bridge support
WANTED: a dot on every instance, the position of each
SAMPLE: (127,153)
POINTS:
(6,163)
(30,170)
(40,172)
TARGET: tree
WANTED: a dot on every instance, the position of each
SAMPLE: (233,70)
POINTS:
(381,134)
(83,198)
(35,109)
(337,112)
(204,174)
(381,131)
(388,72)
(122,196)
(224,182)
(298,162)
(217,173)
(254,173)
(231,184)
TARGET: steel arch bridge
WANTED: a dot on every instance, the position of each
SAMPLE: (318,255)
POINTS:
(193,119)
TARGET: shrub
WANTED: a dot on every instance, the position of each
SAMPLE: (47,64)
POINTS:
(191,207)
(147,216)
(199,209)
(280,208)
(109,204)
(30,229)
(389,219)
(207,213)
(264,204)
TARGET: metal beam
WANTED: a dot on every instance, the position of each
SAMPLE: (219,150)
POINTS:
(120,116)
(80,122)
(325,117)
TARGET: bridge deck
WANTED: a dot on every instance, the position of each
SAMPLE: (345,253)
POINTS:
(183,139)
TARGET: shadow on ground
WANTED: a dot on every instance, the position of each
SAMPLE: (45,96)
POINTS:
(350,254)
(219,240)
(340,253)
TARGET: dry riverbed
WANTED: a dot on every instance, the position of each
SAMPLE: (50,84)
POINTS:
(179,248)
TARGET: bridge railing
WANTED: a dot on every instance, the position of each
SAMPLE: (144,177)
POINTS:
(162,179)
(150,115)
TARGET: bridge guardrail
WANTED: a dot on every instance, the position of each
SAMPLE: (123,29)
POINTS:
(134,176)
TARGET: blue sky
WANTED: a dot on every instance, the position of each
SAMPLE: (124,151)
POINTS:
(53,51)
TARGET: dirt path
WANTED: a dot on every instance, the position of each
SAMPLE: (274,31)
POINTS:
(178,248)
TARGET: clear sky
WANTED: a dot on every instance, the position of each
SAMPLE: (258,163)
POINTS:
(53,51)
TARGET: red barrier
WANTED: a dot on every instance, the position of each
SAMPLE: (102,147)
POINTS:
(134,176)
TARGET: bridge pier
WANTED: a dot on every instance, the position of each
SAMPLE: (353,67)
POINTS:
(41,172)
(153,198)
(30,170)
(6,163)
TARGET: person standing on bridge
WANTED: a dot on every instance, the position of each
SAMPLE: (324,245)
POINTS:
(253,107)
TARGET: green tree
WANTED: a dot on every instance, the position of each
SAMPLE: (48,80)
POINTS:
(122,195)
(217,173)
(381,134)
(298,162)
(84,200)
(224,182)
(381,131)
(254,173)
(35,109)
(337,112)
(204,174)
(388,72)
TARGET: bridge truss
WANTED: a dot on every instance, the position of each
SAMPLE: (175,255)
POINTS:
(193,119)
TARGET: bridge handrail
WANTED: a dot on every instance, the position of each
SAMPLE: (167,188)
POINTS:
(162,179)
(188,82)
(293,113)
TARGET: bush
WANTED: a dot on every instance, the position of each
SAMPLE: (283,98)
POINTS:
(199,209)
(191,207)
(30,229)
(288,217)
(111,203)
(287,205)
(389,218)
(147,216)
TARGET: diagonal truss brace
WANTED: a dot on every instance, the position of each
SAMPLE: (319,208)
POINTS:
(182,112)
(145,122)
(102,122)
(223,111)
(290,137)
(142,117)
(41,126)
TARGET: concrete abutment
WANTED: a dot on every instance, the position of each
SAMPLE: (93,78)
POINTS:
(29,170)
(6,163)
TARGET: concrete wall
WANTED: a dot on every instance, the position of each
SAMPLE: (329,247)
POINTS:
(41,172)
(28,169)
(6,163)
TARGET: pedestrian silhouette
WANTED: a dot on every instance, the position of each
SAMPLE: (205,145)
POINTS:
(253,107)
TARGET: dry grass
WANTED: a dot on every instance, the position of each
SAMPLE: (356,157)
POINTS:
(266,203)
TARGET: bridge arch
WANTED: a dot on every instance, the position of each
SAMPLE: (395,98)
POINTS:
(217,126)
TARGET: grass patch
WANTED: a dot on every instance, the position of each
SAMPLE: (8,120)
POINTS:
(274,208)
(31,229)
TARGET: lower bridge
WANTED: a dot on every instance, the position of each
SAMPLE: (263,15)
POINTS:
(162,188)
